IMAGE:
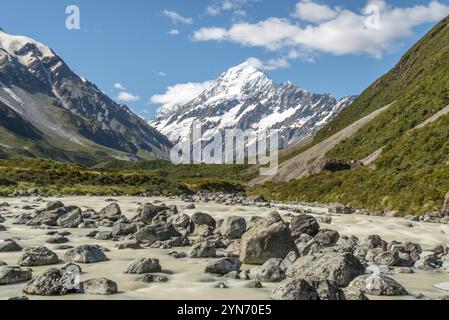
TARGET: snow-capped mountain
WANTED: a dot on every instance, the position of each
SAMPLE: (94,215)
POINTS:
(245,98)
(69,117)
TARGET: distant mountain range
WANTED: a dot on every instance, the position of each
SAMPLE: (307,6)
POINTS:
(245,98)
(48,111)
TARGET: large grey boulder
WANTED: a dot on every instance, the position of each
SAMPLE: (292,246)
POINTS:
(295,289)
(100,286)
(304,224)
(233,227)
(378,285)
(204,249)
(71,220)
(268,238)
(9,246)
(161,231)
(111,212)
(123,229)
(144,265)
(54,282)
(11,275)
(327,290)
(38,256)
(53,205)
(180,221)
(224,266)
(200,218)
(147,212)
(85,254)
(339,267)
(270,271)
(388,258)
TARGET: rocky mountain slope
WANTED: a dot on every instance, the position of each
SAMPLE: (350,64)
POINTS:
(405,147)
(245,98)
(48,111)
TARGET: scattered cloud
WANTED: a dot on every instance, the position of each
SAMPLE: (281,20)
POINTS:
(127,97)
(173,32)
(235,6)
(271,64)
(180,93)
(119,86)
(323,29)
(161,74)
(307,10)
(176,18)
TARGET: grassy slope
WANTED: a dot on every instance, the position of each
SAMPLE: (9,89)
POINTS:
(412,173)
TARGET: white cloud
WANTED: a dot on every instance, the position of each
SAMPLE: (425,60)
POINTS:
(127,97)
(336,31)
(176,18)
(119,86)
(173,32)
(236,6)
(307,10)
(161,74)
(271,64)
(180,93)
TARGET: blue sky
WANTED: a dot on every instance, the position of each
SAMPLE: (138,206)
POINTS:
(129,42)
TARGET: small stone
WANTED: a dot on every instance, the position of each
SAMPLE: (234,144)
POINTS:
(150,278)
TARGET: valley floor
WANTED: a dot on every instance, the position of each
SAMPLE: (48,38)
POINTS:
(187,279)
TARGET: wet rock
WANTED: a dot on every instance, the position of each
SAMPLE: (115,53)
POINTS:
(157,232)
(270,271)
(129,245)
(441,250)
(233,227)
(12,275)
(327,290)
(54,282)
(374,242)
(289,260)
(111,212)
(339,267)
(339,208)
(71,220)
(152,278)
(189,206)
(53,205)
(147,212)
(327,237)
(180,222)
(104,235)
(325,219)
(295,289)
(22,219)
(269,238)
(429,262)
(304,224)
(100,286)
(432,217)
(388,258)
(85,254)
(202,249)
(224,266)
(353,293)
(378,285)
(38,256)
(57,239)
(204,231)
(144,265)
(201,218)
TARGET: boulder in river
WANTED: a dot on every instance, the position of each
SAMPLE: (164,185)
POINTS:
(304,224)
(161,231)
(200,218)
(270,271)
(233,227)
(85,254)
(11,275)
(204,249)
(224,266)
(378,285)
(295,289)
(339,267)
(123,229)
(71,219)
(54,282)
(9,245)
(111,212)
(268,238)
(101,286)
(38,256)
(144,265)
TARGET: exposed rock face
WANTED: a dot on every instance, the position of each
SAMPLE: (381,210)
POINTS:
(339,267)
(295,289)
(85,254)
(54,282)
(445,210)
(304,224)
(11,275)
(38,256)
(9,246)
(270,271)
(333,166)
(224,266)
(268,238)
(378,285)
(233,227)
(143,265)
(101,286)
